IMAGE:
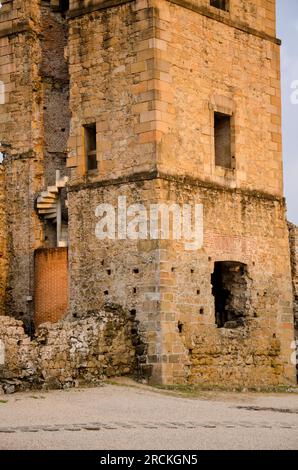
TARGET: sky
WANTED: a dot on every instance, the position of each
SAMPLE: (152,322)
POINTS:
(287,31)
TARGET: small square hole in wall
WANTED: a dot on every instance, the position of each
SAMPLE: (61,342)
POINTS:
(220,4)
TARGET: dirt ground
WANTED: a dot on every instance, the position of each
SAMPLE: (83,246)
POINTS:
(131,416)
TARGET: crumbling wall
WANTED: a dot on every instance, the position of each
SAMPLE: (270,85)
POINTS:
(99,345)
(3,247)
(293,231)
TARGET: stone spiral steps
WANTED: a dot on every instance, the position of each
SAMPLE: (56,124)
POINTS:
(47,204)
(48,201)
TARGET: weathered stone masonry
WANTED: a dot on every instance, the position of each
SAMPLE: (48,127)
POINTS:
(151,77)
(158,73)
(34,129)
(3,246)
(69,353)
(294,258)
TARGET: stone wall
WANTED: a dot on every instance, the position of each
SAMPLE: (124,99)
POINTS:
(211,67)
(34,124)
(3,240)
(157,72)
(66,354)
(170,291)
(293,231)
(55,79)
(256,15)
(20,130)
(103,65)
(151,74)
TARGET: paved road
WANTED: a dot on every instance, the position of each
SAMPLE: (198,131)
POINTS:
(125,417)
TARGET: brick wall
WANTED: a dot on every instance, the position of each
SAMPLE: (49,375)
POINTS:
(51,285)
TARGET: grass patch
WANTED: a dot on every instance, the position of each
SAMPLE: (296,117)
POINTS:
(196,390)
(200,390)
(120,384)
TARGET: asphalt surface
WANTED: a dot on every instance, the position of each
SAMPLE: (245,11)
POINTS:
(138,417)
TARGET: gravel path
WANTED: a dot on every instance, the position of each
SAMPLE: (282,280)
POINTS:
(139,417)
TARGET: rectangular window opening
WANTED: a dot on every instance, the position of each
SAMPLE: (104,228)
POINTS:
(220,4)
(90,146)
(223,140)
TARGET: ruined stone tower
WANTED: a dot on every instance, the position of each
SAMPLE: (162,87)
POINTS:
(171,102)
(33,137)
(184,99)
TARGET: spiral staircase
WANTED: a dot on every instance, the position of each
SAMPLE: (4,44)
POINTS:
(48,206)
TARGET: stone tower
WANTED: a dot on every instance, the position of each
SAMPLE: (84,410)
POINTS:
(179,102)
(155,103)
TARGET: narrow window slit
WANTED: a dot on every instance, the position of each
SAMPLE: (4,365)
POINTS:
(90,146)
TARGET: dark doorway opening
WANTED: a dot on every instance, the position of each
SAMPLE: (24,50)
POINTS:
(230,288)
